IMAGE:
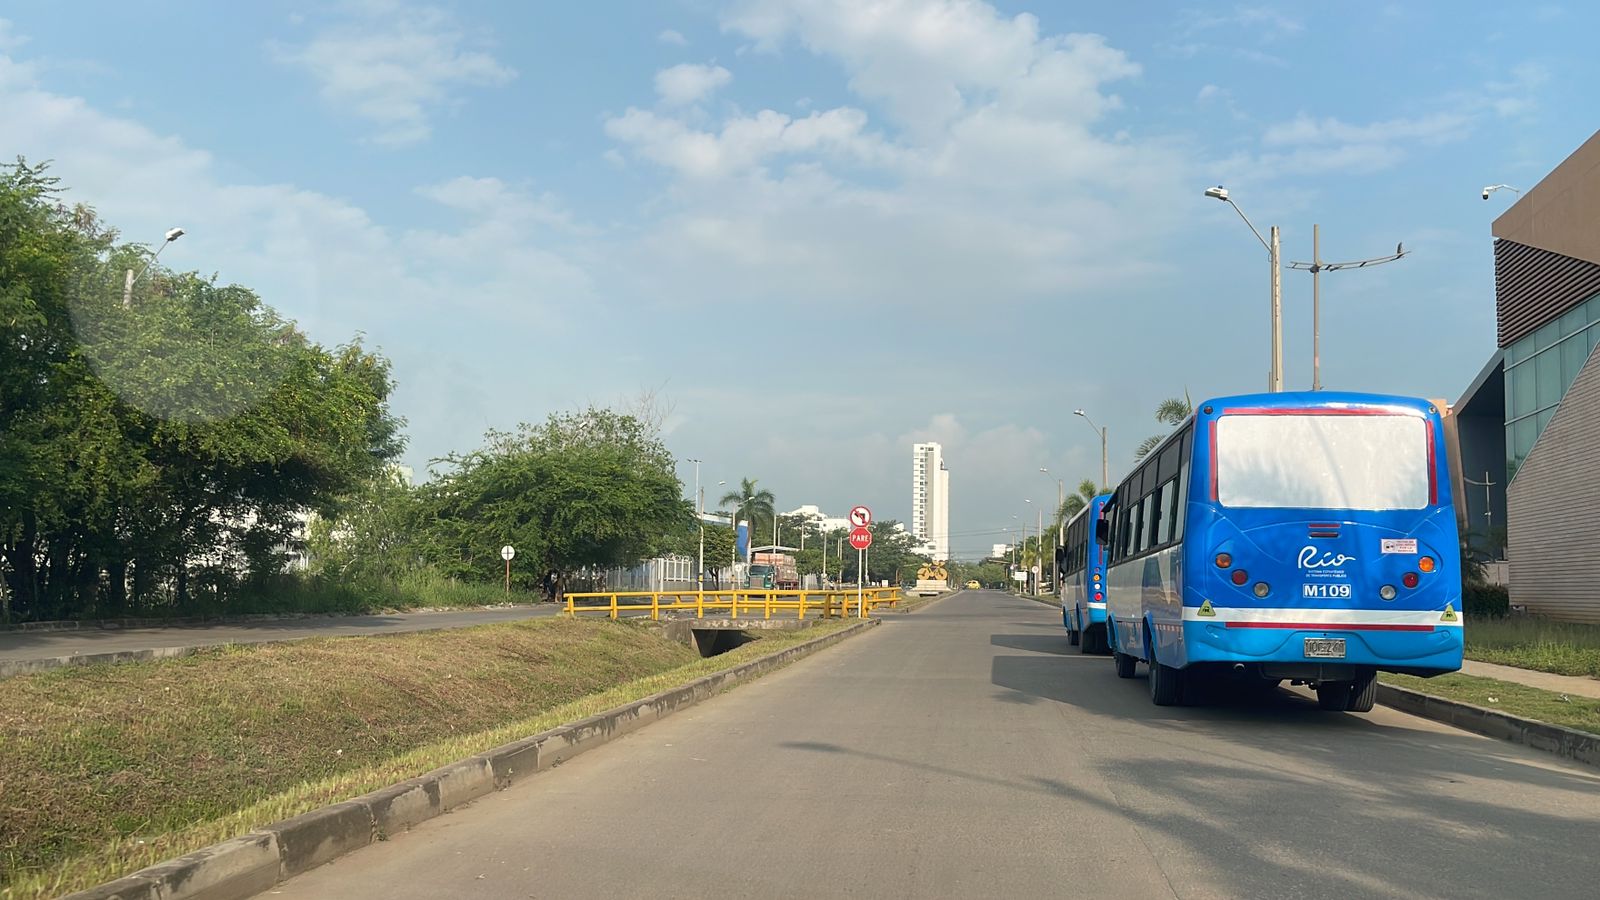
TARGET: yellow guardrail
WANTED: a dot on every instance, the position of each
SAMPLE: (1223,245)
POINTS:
(826,604)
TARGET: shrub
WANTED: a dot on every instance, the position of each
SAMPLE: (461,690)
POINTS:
(1492,600)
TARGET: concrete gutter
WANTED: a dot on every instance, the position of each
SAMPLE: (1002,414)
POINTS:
(248,865)
(1569,743)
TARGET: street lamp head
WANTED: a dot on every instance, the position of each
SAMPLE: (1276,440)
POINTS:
(174,234)
(1079,412)
(1219,193)
(1044,470)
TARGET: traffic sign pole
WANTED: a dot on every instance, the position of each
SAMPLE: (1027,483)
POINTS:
(861,605)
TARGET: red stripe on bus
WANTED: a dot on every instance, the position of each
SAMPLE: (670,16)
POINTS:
(1331,626)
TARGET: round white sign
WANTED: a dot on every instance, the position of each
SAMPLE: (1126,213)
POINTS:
(507,552)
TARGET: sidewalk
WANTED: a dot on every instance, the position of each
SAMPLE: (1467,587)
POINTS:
(1574,685)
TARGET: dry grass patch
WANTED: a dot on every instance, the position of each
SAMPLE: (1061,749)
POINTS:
(107,769)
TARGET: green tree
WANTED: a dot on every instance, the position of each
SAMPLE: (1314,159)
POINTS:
(582,491)
(170,443)
(1171,411)
(753,504)
(1086,491)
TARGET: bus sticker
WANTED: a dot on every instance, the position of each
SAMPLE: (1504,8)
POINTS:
(1398,545)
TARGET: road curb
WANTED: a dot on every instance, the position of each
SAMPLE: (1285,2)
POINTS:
(13,667)
(124,624)
(245,866)
(1568,743)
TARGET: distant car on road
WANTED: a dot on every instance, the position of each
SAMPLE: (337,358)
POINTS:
(973,585)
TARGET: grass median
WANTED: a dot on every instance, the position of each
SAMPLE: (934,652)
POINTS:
(1531,642)
(1581,713)
(107,769)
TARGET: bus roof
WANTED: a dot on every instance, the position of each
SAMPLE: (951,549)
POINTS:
(1098,499)
(1314,400)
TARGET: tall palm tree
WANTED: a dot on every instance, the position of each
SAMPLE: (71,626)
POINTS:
(753,504)
(1172,411)
(1087,490)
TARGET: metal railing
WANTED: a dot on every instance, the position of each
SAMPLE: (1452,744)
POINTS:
(826,604)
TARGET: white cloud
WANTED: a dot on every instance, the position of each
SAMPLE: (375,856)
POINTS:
(1260,22)
(512,271)
(688,83)
(10,41)
(973,166)
(394,65)
(1310,145)
(670,36)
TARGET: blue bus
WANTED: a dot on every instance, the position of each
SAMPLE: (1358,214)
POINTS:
(1307,537)
(1082,563)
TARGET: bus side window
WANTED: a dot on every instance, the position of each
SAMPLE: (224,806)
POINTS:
(1158,519)
(1146,520)
(1180,487)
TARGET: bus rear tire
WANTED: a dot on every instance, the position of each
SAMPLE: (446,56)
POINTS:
(1166,683)
(1363,693)
(1125,663)
(1349,696)
(1074,636)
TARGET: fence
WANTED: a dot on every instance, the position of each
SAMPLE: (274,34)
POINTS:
(825,604)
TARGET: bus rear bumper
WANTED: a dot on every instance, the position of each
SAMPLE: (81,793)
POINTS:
(1423,653)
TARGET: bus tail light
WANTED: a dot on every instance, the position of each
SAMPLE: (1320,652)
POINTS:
(1098,596)
(1409,579)
(1262,589)
(1224,560)
(1387,592)
(1425,564)
(1240,576)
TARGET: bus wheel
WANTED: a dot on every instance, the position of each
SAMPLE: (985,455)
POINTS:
(1166,685)
(1333,694)
(1363,693)
(1125,663)
(1074,636)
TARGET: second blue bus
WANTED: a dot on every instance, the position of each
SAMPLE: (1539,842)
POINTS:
(1307,537)
(1082,562)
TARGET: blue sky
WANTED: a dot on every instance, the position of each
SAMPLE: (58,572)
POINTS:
(817,232)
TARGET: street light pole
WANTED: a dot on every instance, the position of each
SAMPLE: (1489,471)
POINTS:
(699,515)
(127,281)
(1316,267)
(1105,476)
(1274,255)
(1055,565)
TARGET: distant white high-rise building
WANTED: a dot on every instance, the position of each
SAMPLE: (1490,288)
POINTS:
(930,498)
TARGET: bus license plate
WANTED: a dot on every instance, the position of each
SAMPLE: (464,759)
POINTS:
(1325,648)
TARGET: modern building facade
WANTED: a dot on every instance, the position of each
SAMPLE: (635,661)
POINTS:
(930,499)
(1547,300)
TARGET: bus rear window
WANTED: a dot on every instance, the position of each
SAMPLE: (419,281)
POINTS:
(1322,461)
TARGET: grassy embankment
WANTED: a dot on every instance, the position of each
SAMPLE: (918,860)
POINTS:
(106,769)
(1582,713)
(1565,648)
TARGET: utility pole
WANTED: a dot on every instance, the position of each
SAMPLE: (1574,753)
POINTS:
(1105,473)
(1275,376)
(699,514)
(1316,267)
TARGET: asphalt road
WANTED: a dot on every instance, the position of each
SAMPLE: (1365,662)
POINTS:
(27,645)
(967,751)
